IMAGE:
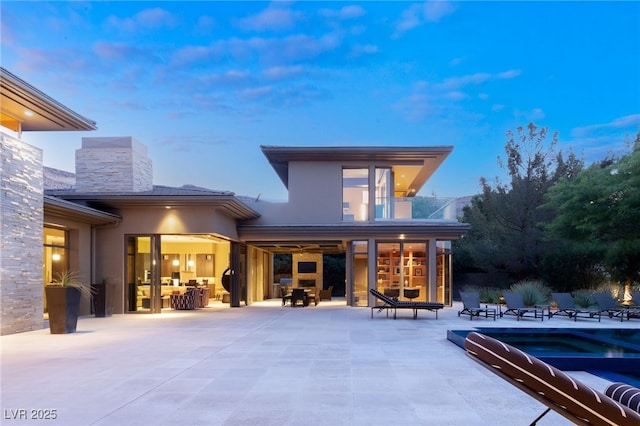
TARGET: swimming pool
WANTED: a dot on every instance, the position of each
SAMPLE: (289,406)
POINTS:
(610,353)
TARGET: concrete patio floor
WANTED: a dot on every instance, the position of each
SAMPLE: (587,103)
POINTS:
(265,365)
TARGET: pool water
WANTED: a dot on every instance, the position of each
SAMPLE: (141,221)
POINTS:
(608,353)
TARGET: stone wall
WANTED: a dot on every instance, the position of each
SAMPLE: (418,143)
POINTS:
(113,164)
(21,236)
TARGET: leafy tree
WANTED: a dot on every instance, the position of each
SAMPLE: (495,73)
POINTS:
(600,209)
(507,232)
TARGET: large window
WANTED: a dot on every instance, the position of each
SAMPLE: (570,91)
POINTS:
(355,195)
(384,193)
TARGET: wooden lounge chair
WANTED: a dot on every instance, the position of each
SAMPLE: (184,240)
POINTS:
(607,304)
(471,306)
(559,392)
(515,306)
(394,305)
(567,306)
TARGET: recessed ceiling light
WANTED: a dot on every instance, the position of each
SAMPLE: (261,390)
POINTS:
(28,113)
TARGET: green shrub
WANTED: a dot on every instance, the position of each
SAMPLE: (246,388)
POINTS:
(584,299)
(490,295)
(533,292)
(487,294)
(616,290)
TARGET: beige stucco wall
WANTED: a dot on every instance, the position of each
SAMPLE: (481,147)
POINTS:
(315,196)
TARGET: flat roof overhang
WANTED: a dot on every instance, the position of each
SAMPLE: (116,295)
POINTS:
(227,203)
(25,108)
(333,237)
(417,164)
(57,207)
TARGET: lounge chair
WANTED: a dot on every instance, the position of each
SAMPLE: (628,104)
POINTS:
(515,306)
(634,308)
(607,304)
(471,306)
(567,306)
(394,305)
(552,387)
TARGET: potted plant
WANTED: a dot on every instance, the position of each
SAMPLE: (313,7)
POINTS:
(63,302)
(102,298)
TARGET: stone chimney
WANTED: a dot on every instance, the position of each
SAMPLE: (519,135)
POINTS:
(113,164)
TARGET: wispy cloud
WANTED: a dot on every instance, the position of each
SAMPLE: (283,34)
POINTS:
(274,18)
(344,13)
(626,122)
(601,139)
(432,99)
(421,13)
(282,73)
(118,51)
(144,20)
(529,115)
(268,51)
(477,78)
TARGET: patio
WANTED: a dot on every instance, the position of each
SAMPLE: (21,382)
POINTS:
(265,365)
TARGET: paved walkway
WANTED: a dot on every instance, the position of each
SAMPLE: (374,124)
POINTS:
(264,365)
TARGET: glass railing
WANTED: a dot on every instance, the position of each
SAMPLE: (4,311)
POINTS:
(425,208)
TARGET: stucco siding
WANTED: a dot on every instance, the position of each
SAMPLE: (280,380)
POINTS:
(315,196)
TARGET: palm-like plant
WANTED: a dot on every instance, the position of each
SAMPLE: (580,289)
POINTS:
(72,279)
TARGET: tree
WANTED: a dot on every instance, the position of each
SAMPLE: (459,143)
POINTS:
(600,208)
(507,232)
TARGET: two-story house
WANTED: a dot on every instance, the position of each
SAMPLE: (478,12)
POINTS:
(109,222)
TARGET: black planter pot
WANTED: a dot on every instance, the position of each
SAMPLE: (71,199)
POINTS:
(102,299)
(63,305)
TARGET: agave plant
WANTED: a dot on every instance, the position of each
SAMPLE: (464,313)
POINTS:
(533,292)
(583,298)
(72,279)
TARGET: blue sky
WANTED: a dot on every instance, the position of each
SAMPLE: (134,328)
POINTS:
(204,84)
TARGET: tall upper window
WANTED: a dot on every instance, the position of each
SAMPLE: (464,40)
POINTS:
(56,260)
(384,193)
(355,195)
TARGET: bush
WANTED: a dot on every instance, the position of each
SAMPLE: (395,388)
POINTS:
(533,292)
(487,294)
(584,299)
(616,290)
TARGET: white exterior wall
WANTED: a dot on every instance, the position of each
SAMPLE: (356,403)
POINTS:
(113,164)
(21,232)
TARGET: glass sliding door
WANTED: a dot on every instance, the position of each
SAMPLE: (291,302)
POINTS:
(444,272)
(390,271)
(143,274)
(402,270)
(360,273)
(415,271)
